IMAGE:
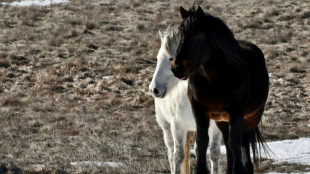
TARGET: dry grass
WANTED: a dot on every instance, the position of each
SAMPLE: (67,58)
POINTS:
(74,81)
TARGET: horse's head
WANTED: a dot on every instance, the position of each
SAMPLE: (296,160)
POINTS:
(193,46)
(163,78)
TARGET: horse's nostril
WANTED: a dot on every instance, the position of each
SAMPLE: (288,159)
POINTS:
(156,91)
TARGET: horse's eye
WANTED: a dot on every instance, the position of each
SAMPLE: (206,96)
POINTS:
(171,59)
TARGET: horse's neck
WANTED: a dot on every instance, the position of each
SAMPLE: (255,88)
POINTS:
(214,66)
(217,59)
(176,96)
(178,88)
(217,71)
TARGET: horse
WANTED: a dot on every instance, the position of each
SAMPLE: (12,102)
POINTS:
(227,82)
(173,111)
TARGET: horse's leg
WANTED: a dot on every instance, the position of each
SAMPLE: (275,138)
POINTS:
(248,137)
(202,137)
(215,147)
(224,127)
(235,140)
(246,156)
(179,136)
(168,139)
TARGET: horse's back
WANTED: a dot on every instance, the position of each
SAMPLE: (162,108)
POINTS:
(252,55)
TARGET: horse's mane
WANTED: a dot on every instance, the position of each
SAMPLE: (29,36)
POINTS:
(217,32)
(172,31)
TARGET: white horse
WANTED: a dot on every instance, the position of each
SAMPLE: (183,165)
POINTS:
(174,113)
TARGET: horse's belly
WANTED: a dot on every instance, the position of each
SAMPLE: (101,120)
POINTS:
(224,116)
(219,116)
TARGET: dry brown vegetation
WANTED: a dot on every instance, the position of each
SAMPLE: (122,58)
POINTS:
(74,80)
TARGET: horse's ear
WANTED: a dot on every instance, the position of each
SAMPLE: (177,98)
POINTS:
(183,12)
(162,34)
(174,34)
(200,12)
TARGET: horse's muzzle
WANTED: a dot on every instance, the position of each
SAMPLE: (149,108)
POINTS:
(178,72)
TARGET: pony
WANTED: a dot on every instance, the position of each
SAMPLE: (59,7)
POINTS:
(173,111)
(227,82)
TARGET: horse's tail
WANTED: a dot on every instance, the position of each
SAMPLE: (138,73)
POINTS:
(186,161)
(258,144)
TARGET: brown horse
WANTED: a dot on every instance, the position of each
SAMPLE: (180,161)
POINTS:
(228,83)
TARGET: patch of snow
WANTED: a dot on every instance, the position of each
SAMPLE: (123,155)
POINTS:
(291,151)
(27,3)
(38,166)
(107,77)
(98,164)
(111,145)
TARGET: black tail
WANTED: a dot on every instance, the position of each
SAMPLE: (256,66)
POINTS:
(258,144)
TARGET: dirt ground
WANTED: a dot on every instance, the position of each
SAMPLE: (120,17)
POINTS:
(74,81)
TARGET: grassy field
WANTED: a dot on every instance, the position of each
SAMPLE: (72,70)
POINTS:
(74,80)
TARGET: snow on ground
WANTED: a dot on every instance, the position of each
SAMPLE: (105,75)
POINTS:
(26,3)
(107,77)
(98,164)
(291,151)
(40,167)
